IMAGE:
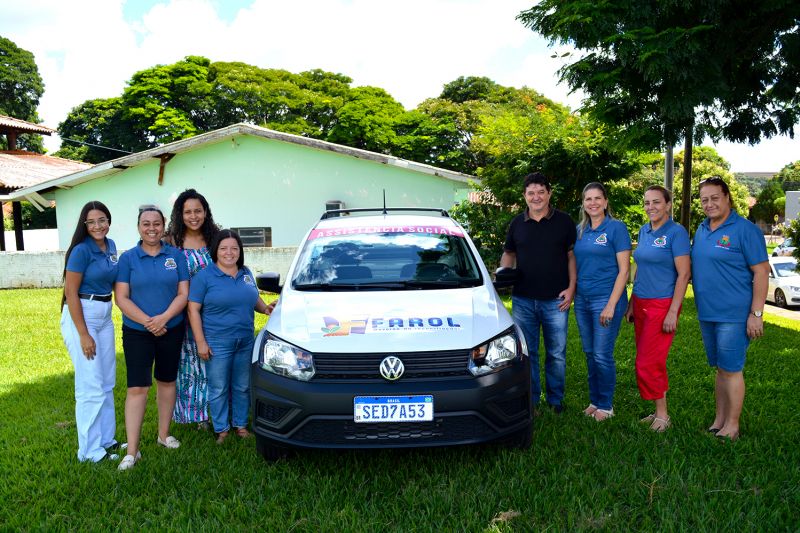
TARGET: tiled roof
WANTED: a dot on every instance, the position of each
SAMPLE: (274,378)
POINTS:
(19,168)
(21,126)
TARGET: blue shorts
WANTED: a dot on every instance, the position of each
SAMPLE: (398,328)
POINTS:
(726,344)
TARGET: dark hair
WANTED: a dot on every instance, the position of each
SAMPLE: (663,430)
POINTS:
(716,180)
(664,192)
(177,229)
(584,222)
(145,209)
(80,234)
(227,234)
(536,178)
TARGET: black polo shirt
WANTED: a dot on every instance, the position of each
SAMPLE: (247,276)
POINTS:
(541,248)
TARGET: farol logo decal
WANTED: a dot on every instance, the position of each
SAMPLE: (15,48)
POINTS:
(335,327)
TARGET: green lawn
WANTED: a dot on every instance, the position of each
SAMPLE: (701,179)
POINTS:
(578,475)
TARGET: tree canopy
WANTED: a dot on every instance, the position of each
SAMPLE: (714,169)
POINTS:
(21,86)
(666,71)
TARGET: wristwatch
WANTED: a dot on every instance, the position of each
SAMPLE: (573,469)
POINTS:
(757,314)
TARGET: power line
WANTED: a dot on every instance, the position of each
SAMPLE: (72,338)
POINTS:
(96,145)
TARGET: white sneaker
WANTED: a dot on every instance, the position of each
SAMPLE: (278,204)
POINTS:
(129,461)
(169,442)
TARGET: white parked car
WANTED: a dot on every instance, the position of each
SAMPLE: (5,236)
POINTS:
(388,333)
(784,249)
(784,282)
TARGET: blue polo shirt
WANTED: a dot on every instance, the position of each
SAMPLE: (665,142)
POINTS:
(228,302)
(655,259)
(153,280)
(721,275)
(99,268)
(596,256)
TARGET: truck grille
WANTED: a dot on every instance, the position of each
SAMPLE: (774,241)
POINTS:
(418,365)
(451,429)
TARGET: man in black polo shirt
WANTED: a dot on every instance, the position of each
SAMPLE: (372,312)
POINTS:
(539,243)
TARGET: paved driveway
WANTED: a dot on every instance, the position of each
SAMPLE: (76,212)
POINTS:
(793,313)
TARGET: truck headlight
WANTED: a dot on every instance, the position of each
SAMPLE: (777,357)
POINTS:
(283,359)
(495,354)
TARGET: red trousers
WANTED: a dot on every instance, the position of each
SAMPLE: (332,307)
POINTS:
(652,346)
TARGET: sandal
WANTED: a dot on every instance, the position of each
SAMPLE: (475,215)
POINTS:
(730,437)
(221,436)
(603,414)
(589,411)
(660,425)
(648,419)
(170,442)
(242,433)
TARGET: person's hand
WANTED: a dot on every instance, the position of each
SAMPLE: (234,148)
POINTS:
(155,324)
(567,295)
(755,326)
(606,315)
(629,314)
(88,346)
(162,331)
(204,350)
(270,307)
(670,322)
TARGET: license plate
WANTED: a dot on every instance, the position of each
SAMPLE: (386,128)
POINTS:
(393,408)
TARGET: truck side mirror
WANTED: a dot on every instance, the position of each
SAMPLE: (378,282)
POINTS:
(505,277)
(269,282)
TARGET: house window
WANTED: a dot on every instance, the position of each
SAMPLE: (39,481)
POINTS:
(255,236)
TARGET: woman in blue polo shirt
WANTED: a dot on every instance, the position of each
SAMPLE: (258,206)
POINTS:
(151,291)
(221,302)
(730,277)
(663,269)
(89,274)
(602,255)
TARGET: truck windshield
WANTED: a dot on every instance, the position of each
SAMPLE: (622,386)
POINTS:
(386,260)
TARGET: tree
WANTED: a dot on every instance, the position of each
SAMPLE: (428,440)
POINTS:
(571,149)
(707,163)
(21,87)
(666,71)
(367,120)
(771,201)
(789,176)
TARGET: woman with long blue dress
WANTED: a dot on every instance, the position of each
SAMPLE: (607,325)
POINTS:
(191,229)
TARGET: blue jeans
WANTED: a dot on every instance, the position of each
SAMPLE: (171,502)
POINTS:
(228,373)
(531,315)
(598,345)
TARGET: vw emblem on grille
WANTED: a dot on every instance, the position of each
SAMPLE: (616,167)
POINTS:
(392,368)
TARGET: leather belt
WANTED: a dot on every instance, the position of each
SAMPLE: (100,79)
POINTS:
(95,297)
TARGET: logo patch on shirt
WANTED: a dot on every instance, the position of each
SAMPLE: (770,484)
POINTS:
(660,242)
(601,239)
(724,242)
(113,258)
(247,279)
(170,264)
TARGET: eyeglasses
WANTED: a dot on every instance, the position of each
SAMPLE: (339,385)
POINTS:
(99,223)
(713,180)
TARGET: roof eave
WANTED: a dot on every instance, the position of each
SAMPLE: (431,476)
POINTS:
(121,163)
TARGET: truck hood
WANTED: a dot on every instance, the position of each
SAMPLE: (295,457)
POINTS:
(380,321)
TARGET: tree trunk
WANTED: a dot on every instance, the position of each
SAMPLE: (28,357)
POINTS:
(686,192)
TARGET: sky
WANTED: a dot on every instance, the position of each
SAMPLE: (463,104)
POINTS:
(88,49)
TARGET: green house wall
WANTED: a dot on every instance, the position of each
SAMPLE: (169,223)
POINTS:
(255,182)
